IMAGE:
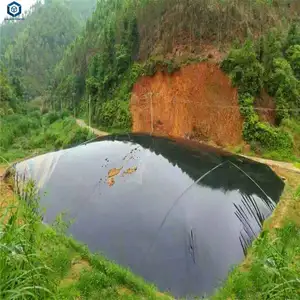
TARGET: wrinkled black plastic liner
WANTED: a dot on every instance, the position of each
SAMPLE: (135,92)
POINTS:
(181,220)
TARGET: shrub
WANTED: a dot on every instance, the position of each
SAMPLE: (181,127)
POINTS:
(282,76)
(268,137)
(244,69)
(293,55)
(271,138)
(115,114)
(293,37)
(50,118)
(283,85)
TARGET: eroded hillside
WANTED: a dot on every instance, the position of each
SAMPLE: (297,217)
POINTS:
(196,102)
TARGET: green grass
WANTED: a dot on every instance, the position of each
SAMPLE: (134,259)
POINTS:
(33,133)
(272,268)
(37,261)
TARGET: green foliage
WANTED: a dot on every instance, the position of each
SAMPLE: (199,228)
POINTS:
(14,126)
(7,103)
(293,54)
(273,138)
(283,84)
(268,137)
(34,46)
(271,48)
(24,135)
(22,268)
(251,72)
(59,134)
(245,70)
(114,114)
(293,37)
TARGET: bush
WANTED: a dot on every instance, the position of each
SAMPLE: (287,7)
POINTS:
(50,118)
(244,69)
(282,76)
(293,55)
(283,85)
(271,138)
(293,37)
(268,137)
(247,75)
(115,114)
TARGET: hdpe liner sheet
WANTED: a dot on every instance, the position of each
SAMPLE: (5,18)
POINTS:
(180,215)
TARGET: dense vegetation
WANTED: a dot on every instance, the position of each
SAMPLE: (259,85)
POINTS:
(31,48)
(271,65)
(25,130)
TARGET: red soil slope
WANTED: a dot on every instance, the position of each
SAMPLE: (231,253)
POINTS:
(196,102)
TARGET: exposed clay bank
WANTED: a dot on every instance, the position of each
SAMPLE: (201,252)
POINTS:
(178,214)
(197,101)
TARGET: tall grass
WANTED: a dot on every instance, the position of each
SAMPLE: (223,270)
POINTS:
(22,269)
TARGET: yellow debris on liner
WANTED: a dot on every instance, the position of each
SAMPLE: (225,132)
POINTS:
(114,172)
(111,181)
(130,171)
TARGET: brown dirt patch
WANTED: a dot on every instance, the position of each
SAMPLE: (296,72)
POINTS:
(74,273)
(2,171)
(196,102)
(6,195)
(122,291)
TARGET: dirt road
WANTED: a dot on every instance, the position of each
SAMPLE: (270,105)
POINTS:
(95,131)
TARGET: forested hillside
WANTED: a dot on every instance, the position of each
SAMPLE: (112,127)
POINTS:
(126,39)
(31,48)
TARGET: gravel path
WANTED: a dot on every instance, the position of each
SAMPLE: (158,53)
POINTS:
(95,131)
